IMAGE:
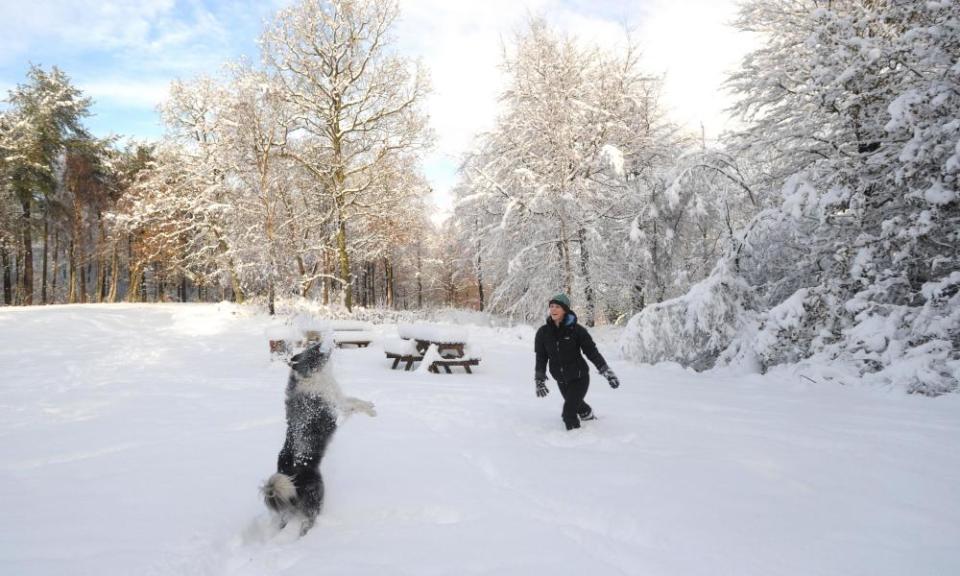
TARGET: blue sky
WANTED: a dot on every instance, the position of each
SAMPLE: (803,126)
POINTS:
(125,53)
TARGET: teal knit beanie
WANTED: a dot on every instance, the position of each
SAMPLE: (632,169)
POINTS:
(562,300)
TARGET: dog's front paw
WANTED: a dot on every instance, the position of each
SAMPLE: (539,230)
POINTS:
(352,405)
(369,409)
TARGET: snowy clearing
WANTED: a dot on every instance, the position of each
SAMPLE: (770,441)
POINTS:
(135,438)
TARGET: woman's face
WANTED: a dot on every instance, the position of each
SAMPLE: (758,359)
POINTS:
(557,312)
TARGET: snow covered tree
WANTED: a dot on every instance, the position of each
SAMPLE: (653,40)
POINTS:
(557,182)
(9,210)
(358,103)
(255,126)
(850,108)
(88,191)
(197,207)
(393,217)
(44,113)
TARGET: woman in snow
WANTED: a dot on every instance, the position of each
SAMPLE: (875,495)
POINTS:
(561,341)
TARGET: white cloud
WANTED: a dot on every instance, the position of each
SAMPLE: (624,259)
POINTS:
(143,34)
(695,46)
(460,44)
(82,23)
(127,93)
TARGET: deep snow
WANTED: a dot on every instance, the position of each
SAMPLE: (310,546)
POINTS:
(134,438)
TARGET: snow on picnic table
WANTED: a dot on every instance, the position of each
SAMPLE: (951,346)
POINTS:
(433,333)
(135,437)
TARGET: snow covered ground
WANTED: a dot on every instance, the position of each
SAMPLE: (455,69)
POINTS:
(134,438)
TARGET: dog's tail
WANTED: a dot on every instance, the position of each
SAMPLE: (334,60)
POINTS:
(279,492)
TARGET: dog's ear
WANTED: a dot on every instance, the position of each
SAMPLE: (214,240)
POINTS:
(294,360)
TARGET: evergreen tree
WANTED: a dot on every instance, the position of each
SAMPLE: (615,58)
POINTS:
(44,114)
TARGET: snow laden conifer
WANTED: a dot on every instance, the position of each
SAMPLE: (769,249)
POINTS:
(850,109)
(44,114)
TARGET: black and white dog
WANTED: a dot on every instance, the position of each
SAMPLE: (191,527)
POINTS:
(313,403)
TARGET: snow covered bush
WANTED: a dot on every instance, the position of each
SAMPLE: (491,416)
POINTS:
(851,108)
(695,328)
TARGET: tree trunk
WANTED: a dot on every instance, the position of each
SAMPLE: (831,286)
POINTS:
(345,274)
(83,283)
(419,278)
(27,261)
(55,269)
(18,277)
(72,278)
(371,284)
(305,285)
(388,280)
(43,274)
(364,293)
(565,255)
(567,268)
(238,295)
(271,303)
(585,272)
(102,281)
(637,298)
(136,280)
(101,263)
(7,280)
(372,288)
(479,270)
(114,274)
(326,279)
(561,258)
(158,282)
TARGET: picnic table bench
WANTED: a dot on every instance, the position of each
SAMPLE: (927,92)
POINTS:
(401,351)
(409,359)
(446,363)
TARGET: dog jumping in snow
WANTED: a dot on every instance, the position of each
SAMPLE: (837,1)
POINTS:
(313,403)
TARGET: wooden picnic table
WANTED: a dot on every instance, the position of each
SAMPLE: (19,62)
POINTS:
(450,343)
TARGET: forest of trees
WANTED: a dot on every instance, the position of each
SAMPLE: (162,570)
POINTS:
(827,226)
(299,176)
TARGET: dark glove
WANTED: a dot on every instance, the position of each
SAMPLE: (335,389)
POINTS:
(611,377)
(542,389)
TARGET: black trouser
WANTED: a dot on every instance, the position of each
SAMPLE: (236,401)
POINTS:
(573,392)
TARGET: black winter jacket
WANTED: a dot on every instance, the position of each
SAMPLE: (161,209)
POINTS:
(561,345)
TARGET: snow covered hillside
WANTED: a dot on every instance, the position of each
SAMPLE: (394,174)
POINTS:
(134,438)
